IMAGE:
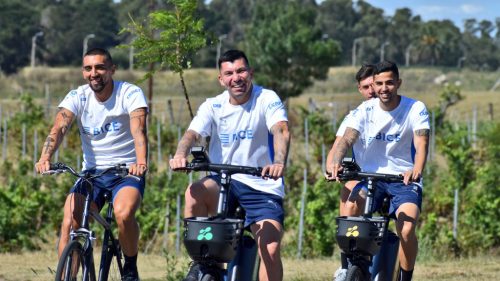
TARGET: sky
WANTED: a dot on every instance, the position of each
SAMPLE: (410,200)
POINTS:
(455,10)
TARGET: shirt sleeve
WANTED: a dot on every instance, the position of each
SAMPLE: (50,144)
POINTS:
(134,98)
(202,122)
(274,109)
(343,125)
(356,118)
(71,101)
(420,117)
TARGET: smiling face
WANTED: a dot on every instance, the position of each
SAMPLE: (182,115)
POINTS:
(98,73)
(236,76)
(386,87)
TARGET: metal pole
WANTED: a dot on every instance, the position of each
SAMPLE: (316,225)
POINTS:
(306,137)
(301,219)
(33,47)
(131,59)
(382,50)
(219,46)
(85,41)
(158,135)
(455,214)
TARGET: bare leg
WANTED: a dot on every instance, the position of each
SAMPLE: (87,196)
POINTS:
(407,217)
(72,217)
(201,198)
(125,204)
(268,234)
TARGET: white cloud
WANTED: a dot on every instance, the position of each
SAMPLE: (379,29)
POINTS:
(471,8)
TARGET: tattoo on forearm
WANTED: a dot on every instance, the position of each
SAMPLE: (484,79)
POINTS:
(48,146)
(422,132)
(281,142)
(345,143)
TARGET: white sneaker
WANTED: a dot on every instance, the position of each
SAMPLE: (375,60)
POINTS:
(340,274)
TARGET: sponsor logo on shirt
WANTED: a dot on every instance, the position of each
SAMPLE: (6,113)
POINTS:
(385,137)
(226,138)
(274,104)
(216,105)
(133,92)
(109,127)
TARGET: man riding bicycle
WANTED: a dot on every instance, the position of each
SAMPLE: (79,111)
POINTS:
(248,126)
(111,117)
(394,133)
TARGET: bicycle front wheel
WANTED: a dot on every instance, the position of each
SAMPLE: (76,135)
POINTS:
(355,273)
(72,264)
(110,269)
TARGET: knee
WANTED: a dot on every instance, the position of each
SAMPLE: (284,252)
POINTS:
(270,251)
(124,214)
(407,231)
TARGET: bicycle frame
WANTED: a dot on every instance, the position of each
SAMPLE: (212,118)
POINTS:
(86,236)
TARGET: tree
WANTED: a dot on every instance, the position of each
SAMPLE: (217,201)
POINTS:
(337,18)
(67,23)
(400,32)
(19,22)
(285,48)
(170,38)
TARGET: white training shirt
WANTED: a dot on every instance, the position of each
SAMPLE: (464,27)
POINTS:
(105,126)
(240,134)
(387,136)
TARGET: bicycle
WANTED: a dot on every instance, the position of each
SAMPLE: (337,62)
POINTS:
(222,238)
(371,248)
(77,260)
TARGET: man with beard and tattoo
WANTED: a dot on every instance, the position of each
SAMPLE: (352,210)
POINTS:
(248,126)
(111,117)
(393,132)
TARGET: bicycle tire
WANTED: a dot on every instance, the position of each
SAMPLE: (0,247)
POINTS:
(355,273)
(109,270)
(73,257)
(208,277)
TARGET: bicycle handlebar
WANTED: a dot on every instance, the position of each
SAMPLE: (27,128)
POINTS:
(57,168)
(219,168)
(358,175)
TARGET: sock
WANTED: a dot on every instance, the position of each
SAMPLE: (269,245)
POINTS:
(405,275)
(130,263)
(343,261)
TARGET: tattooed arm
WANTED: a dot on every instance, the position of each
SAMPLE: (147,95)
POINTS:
(183,148)
(281,143)
(421,142)
(62,123)
(138,129)
(345,143)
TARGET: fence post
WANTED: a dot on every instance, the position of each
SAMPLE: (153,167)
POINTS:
(158,135)
(301,219)
(4,144)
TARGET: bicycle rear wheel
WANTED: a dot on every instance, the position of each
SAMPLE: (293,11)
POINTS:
(72,264)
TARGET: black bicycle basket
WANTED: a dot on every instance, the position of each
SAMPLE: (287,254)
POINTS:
(358,235)
(212,239)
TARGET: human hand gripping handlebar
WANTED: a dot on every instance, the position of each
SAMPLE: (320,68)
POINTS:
(118,169)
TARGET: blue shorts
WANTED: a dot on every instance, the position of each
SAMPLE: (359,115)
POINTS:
(398,193)
(108,182)
(258,205)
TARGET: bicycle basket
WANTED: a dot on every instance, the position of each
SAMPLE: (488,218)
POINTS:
(212,239)
(358,235)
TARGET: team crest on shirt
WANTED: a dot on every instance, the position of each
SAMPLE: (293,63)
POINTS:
(424,112)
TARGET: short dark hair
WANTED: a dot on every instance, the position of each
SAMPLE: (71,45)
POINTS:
(366,70)
(387,66)
(231,56)
(100,51)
